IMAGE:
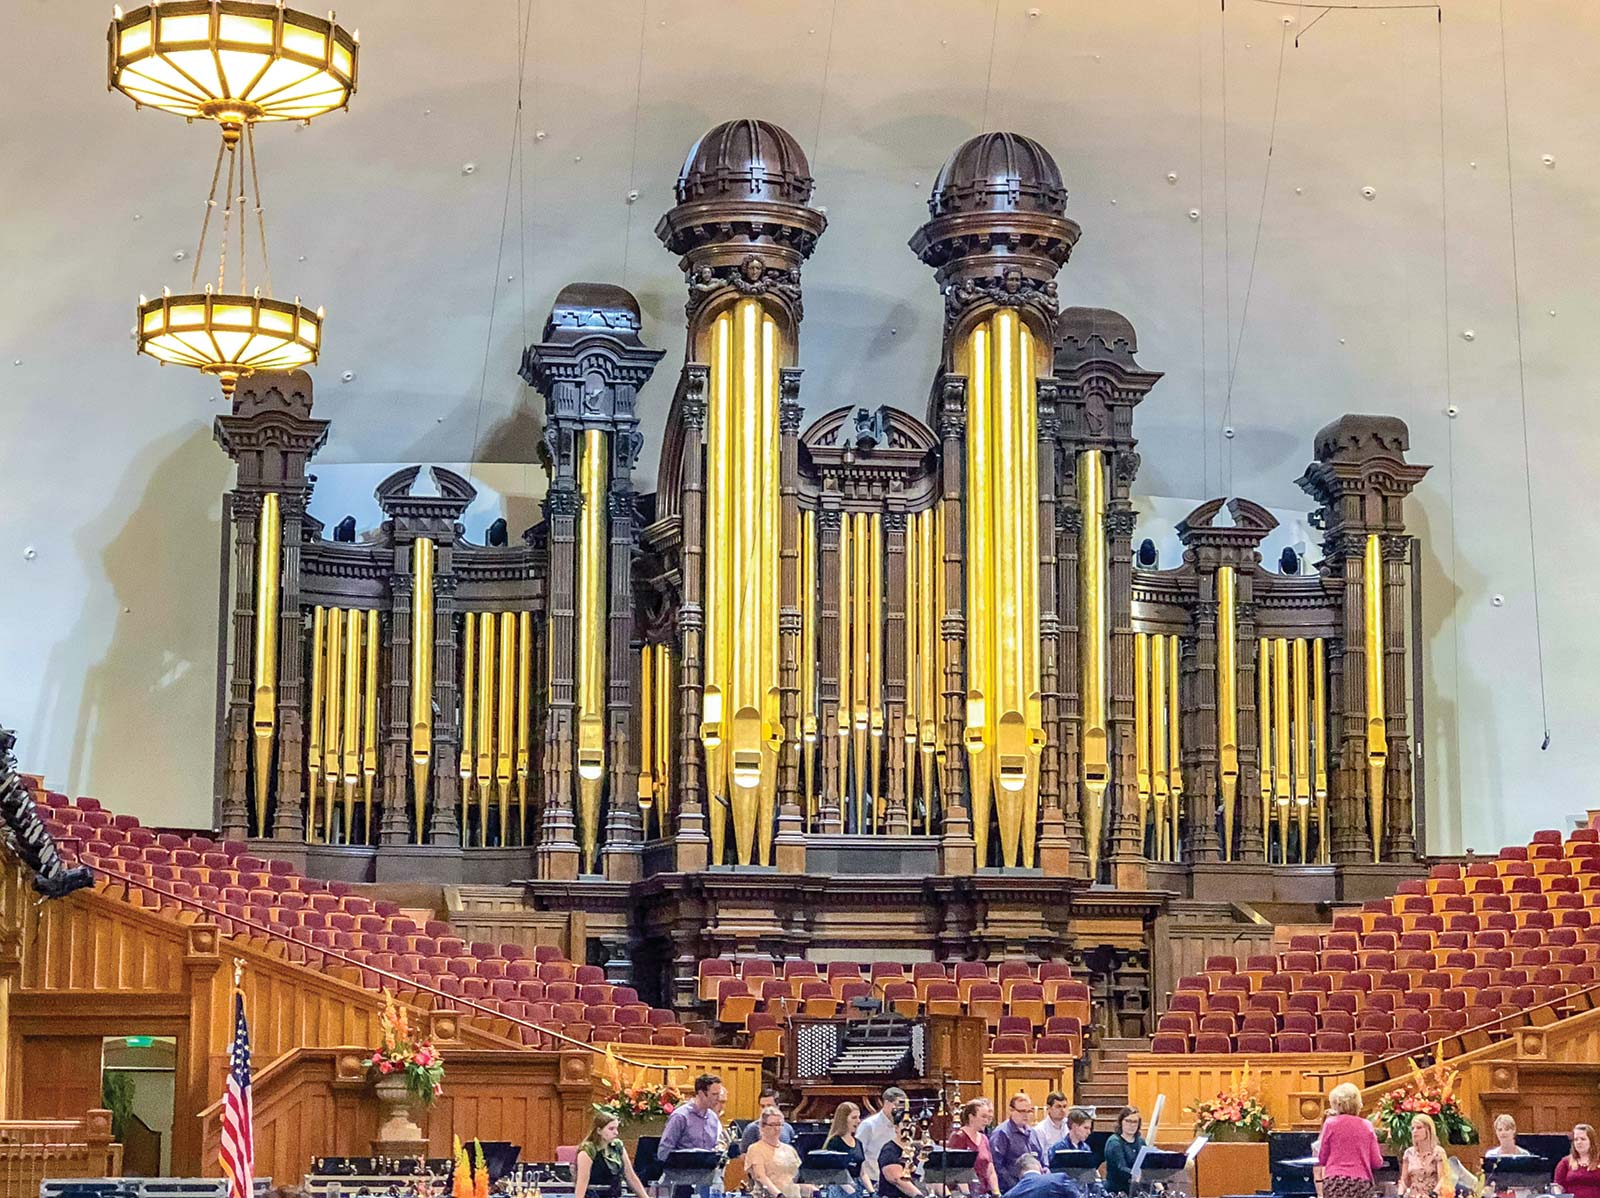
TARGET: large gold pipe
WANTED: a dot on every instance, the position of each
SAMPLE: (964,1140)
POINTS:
(842,717)
(1158,746)
(913,690)
(808,663)
(930,676)
(1264,721)
(1142,682)
(483,754)
(1093,627)
(746,731)
(1302,743)
(981,613)
(771,459)
(1282,778)
(719,589)
(1377,740)
(504,739)
(469,724)
(524,717)
(1319,751)
(350,758)
(875,666)
(1174,747)
(647,735)
(319,633)
(332,718)
(1227,704)
(369,728)
(422,562)
(860,679)
(664,724)
(1028,552)
(593,479)
(941,745)
(264,711)
(1010,579)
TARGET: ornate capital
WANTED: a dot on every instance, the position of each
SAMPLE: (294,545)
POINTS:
(753,277)
(620,503)
(1068,518)
(829,519)
(1120,522)
(1014,289)
(562,501)
(692,397)
(790,413)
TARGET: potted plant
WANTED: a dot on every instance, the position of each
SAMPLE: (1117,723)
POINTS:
(1428,1091)
(1235,1115)
(406,1073)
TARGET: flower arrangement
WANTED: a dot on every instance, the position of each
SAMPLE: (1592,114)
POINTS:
(465,1181)
(1429,1091)
(1236,1110)
(418,1061)
(638,1102)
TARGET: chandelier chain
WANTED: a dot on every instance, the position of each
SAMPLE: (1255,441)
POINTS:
(261,212)
(227,217)
(211,203)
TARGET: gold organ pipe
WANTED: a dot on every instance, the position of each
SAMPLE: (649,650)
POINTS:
(332,719)
(940,743)
(664,694)
(719,590)
(1264,720)
(1012,743)
(647,734)
(981,612)
(860,710)
(745,696)
(483,750)
(1027,552)
(469,724)
(350,758)
(808,663)
(319,633)
(875,624)
(1227,703)
(1302,743)
(1158,745)
(504,738)
(1282,778)
(422,565)
(1174,748)
(1142,682)
(1377,740)
(264,713)
(1319,751)
(913,689)
(593,479)
(930,680)
(524,716)
(1093,626)
(369,728)
(768,568)
(842,717)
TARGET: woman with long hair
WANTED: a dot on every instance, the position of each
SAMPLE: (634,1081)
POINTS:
(842,1138)
(1122,1149)
(972,1135)
(1347,1151)
(1425,1168)
(1578,1173)
(602,1164)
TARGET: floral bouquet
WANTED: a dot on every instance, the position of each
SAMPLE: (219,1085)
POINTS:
(1236,1108)
(638,1102)
(417,1060)
(1430,1092)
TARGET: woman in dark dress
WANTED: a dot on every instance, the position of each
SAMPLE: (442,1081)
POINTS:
(895,1178)
(602,1164)
(842,1138)
(1122,1150)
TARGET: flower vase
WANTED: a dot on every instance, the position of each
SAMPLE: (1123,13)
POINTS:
(1232,1133)
(398,1132)
(634,1130)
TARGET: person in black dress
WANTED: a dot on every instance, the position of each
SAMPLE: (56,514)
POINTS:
(842,1138)
(894,1167)
(602,1164)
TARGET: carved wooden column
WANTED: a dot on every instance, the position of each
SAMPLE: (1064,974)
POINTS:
(893,640)
(1351,840)
(789,843)
(958,851)
(1399,801)
(1127,837)
(289,813)
(1055,853)
(1198,714)
(234,818)
(558,844)
(1069,520)
(396,826)
(624,831)
(1251,835)
(830,812)
(693,845)
(444,827)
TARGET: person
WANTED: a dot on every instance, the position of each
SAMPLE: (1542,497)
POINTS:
(1013,1138)
(976,1115)
(1424,1168)
(895,1178)
(1079,1124)
(1052,1129)
(877,1129)
(1579,1172)
(752,1129)
(1347,1150)
(602,1163)
(1122,1150)
(695,1124)
(842,1138)
(1036,1182)
(1505,1133)
(769,1163)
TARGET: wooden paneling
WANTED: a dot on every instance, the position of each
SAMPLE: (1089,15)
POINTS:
(32,1150)
(1033,1074)
(1229,1169)
(60,1076)
(1192,931)
(1277,1078)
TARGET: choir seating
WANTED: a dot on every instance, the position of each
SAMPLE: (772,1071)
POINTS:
(1466,952)
(252,895)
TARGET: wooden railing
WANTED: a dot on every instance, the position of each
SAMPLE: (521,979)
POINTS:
(32,1150)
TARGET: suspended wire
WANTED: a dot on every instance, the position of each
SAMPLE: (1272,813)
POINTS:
(261,211)
(633,161)
(822,91)
(211,204)
(227,215)
(1255,251)
(522,177)
(1522,387)
(524,27)
(1205,308)
(988,85)
(1449,394)
(1226,471)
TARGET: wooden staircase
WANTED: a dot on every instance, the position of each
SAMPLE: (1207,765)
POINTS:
(1104,1085)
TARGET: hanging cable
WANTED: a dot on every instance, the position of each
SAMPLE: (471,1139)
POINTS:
(227,215)
(633,160)
(822,91)
(1522,387)
(261,211)
(211,204)
(1205,373)
(1227,247)
(988,84)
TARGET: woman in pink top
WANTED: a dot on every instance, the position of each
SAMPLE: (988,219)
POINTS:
(1579,1173)
(975,1119)
(1348,1152)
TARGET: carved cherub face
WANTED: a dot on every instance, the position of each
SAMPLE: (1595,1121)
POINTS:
(753,268)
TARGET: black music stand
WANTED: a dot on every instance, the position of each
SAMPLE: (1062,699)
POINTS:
(690,1169)
(950,1167)
(1079,1164)
(819,1168)
(1290,1160)
(1170,1169)
(1517,1174)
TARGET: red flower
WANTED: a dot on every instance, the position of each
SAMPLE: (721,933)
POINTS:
(666,1107)
(385,1067)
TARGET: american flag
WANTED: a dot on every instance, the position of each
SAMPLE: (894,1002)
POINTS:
(238,1155)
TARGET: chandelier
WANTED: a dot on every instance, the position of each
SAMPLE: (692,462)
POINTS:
(236,63)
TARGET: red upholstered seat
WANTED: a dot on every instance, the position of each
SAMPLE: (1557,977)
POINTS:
(1169,1042)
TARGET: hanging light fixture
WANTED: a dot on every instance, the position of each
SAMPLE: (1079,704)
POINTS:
(236,63)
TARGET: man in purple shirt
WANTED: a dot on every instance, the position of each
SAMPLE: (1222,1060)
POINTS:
(1014,1139)
(695,1124)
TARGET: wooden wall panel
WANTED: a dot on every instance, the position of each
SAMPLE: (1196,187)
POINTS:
(60,1076)
(1276,1078)
(1006,1074)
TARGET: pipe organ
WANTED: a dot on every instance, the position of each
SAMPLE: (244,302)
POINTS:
(868,633)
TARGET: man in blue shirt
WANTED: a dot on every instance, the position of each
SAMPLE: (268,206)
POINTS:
(752,1129)
(1014,1139)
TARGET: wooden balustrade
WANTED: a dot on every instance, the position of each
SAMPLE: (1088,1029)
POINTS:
(32,1150)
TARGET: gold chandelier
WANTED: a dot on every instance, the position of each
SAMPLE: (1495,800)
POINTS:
(237,63)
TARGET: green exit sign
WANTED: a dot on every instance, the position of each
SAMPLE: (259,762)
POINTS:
(140,1041)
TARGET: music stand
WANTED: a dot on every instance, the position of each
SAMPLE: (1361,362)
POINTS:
(1389,1174)
(1168,1168)
(819,1168)
(1079,1164)
(690,1168)
(1517,1174)
(949,1167)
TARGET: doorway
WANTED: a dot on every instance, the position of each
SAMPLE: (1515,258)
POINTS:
(139,1087)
